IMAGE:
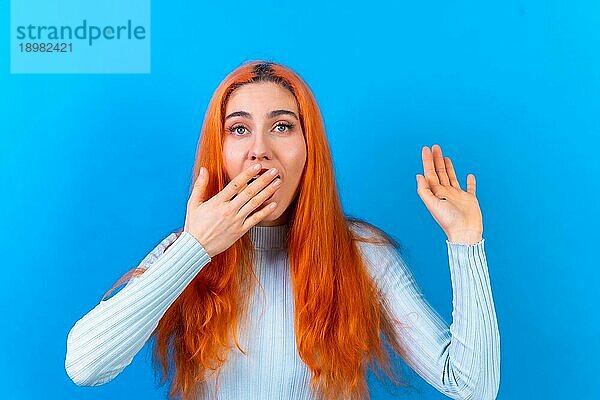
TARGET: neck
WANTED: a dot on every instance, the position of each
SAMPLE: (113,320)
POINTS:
(267,237)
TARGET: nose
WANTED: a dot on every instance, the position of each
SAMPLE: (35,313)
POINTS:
(259,149)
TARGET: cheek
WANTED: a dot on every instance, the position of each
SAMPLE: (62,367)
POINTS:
(297,157)
(231,159)
(229,152)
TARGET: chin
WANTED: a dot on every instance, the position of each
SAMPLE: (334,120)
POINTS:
(276,213)
(279,213)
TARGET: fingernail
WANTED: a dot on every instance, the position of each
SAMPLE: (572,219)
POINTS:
(202,171)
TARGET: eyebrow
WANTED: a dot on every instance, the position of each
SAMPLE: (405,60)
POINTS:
(272,114)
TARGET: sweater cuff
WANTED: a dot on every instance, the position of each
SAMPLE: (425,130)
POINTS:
(458,244)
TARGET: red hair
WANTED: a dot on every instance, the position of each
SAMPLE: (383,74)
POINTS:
(339,313)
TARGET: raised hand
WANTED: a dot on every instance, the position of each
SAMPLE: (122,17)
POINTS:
(220,221)
(455,210)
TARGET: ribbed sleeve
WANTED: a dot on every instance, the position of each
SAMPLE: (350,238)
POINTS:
(105,340)
(462,360)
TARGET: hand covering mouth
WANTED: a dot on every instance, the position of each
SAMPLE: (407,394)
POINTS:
(262,171)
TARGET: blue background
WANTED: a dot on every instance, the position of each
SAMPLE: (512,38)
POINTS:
(95,169)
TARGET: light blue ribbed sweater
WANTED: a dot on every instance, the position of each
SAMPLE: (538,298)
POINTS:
(461,360)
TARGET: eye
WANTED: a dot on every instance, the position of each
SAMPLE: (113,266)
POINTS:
(240,129)
(285,125)
(235,127)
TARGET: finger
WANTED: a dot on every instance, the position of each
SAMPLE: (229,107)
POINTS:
(238,183)
(440,167)
(471,183)
(451,173)
(424,191)
(199,190)
(428,167)
(258,216)
(252,190)
(257,200)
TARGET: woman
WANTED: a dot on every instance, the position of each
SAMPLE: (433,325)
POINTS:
(264,207)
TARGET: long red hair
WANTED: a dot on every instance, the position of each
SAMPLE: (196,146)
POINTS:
(340,316)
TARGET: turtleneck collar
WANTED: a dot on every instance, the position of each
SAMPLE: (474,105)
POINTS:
(269,237)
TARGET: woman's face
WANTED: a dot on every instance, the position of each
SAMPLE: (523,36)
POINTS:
(262,125)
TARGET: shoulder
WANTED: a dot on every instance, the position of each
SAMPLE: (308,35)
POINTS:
(367,234)
(379,249)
